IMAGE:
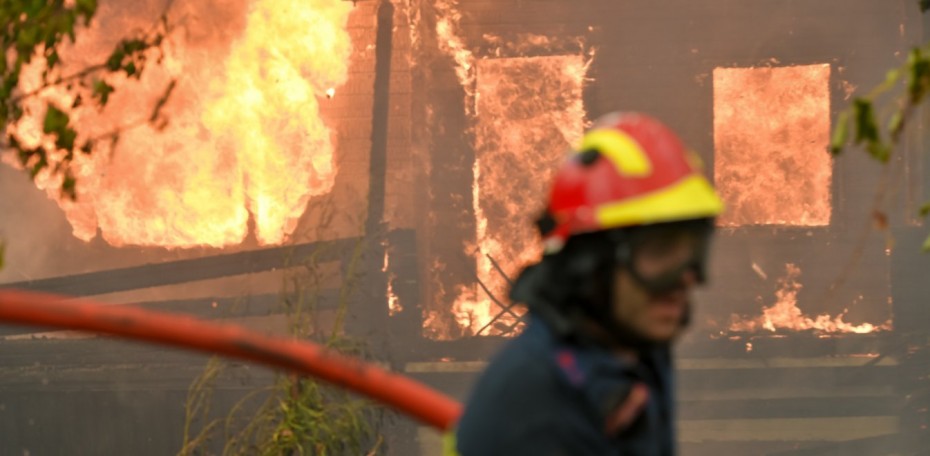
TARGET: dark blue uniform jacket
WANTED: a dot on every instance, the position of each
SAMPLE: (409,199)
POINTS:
(544,397)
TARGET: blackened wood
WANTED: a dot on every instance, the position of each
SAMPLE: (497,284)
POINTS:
(191,270)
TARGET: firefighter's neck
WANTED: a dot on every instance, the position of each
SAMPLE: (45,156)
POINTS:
(603,337)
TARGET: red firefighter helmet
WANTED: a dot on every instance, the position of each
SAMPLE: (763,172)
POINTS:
(629,170)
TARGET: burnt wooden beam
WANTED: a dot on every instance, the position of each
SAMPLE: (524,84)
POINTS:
(190,270)
(369,318)
(405,323)
(380,114)
(215,308)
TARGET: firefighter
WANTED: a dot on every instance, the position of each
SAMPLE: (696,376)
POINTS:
(625,235)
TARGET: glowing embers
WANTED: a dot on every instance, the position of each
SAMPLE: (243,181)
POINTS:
(785,314)
(771,131)
(529,113)
(245,138)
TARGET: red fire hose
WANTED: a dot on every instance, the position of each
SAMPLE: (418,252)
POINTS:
(402,393)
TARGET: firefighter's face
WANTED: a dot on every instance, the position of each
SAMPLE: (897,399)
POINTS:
(658,314)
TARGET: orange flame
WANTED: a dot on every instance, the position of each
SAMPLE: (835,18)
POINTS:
(527,110)
(245,140)
(530,112)
(785,314)
(394,305)
(450,42)
(771,130)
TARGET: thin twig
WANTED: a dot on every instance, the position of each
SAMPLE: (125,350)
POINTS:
(63,79)
(161,21)
(855,256)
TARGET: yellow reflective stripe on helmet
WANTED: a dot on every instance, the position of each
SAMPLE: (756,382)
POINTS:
(689,198)
(625,153)
(448,444)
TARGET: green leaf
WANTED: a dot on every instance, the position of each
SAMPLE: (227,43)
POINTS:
(2,252)
(133,46)
(866,126)
(926,247)
(66,139)
(52,59)
(86,8)
(879,151)
(9,83)
(892,77)
(27,38)
(896,123)
(925,209)
(840,134)
(918,78)
(69,26)
(33,7)
(55,120)
(69,186)
(40,164)
(116,59)
(130,69)
(23,155)
(924,6)
(102,91)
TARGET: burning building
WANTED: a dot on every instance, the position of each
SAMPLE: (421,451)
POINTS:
(404,146)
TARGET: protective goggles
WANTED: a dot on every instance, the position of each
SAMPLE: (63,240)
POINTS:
(658,256)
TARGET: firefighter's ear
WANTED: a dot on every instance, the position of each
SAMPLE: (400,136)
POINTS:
(628,409)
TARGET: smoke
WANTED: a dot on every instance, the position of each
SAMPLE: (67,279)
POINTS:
(30,227)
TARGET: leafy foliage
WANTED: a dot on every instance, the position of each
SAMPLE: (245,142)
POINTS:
(36,30)
(861,118)
(311,419)
(299,415)
(197,406)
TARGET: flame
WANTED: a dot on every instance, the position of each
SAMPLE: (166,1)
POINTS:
(448,18)
(771,130)
(521,44)
(530,112)
(394,306)
(785,314)
(526,109)
(393,301)
(245,139)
